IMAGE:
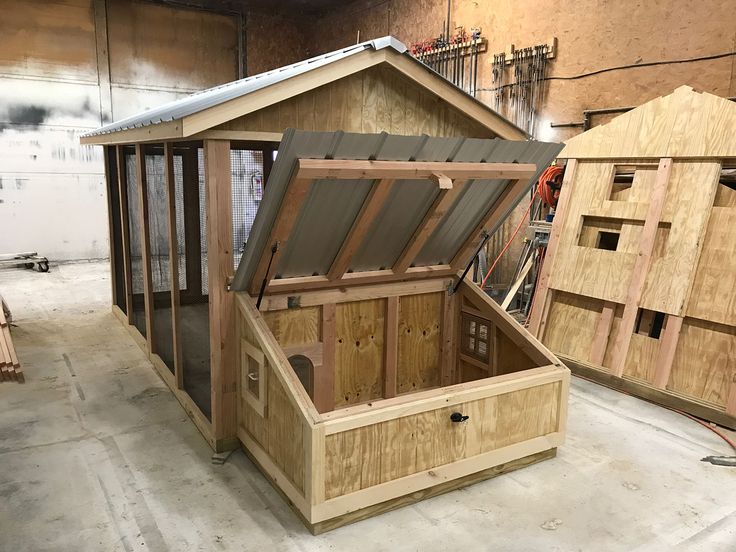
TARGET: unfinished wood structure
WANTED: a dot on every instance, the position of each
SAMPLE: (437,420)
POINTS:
(638,289)
(10,369)
(185,180)
(372,377)
(342,382)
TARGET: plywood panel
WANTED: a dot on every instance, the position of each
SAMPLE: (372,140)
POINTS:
(419,342)
(641,358)
(705,361)
(359,351)
(294,326)
(510,358)
(690,195)
(714,291)
(279,431)
(363,457)
(377,99)
(571,325)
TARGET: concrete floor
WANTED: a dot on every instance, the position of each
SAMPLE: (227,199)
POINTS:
(96,454)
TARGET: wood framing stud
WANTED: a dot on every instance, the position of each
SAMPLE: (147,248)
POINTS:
(294,197)
(437,211)
(173,263)
(641,267)
(542,298)
(145,243)
(348,169)
(368,213)
(602,331)
(324,384)
(667,347)
(391,347)
(125,230)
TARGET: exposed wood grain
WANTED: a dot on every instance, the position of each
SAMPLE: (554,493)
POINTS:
(391,345)
(419,342)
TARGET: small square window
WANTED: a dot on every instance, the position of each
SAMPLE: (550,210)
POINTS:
(649,323)
(607,240)
(253,376)
(475,337)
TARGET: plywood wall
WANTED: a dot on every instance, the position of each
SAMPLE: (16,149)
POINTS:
(379,99)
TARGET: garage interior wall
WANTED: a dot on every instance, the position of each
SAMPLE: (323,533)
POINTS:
(589,39)
(67,67)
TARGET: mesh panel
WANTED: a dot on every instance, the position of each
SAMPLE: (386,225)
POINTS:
(136,260)
(247,190)
(179,206)
(158,223)
(203,220)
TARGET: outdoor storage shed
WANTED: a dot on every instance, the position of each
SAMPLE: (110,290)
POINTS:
(170,195)
(638,289)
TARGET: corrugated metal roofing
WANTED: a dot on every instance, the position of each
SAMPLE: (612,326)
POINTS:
(331,206)
(219,94)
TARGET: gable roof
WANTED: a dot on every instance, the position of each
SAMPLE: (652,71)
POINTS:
(198,112)
(685,123)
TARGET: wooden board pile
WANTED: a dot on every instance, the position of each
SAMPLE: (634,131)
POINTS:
(9,366)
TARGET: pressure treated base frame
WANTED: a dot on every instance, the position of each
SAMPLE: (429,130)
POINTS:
(652,394)
(408,499)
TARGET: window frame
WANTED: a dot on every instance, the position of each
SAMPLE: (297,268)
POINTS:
(249,355)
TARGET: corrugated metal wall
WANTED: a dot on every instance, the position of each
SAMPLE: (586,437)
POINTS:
(66,67)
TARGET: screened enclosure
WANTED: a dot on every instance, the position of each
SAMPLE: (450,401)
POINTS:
(159,229)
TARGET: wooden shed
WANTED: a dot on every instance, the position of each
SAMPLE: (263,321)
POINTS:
(346,353)
(638,289)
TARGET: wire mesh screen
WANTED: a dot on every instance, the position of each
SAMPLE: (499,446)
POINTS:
(158,223)
(136,258)
(179,212)
(203,221)
(247,192)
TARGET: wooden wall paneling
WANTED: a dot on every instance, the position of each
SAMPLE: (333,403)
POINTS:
(169,180)
(436,212)
(372,205)
(602,333)
(298,326)
(450,333)
(689,198)
(397,98)
(572,324)
(704,365)
(713,295)
(305,104)
(636,284)
(125,229)
(391,345)
(667,348)
(145,243)
(419,342)
(220,269)
(541,299)
(103,60)
(192,233)
(359,351)
(641,358)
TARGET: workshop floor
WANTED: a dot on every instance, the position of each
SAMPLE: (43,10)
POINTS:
(96,454)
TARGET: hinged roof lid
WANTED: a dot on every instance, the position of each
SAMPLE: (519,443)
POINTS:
(357,208)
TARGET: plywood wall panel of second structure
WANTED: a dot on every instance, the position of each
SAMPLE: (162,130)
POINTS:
(705,362)
(690,195)
(419,342)
(359,329)
(713,296)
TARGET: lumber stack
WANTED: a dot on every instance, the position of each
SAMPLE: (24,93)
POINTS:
(9,366)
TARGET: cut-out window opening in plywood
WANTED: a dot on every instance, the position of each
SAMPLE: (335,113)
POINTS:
(632,182)
(253,376)
(476,337)
(649,323)
(726,193)
(600,233)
